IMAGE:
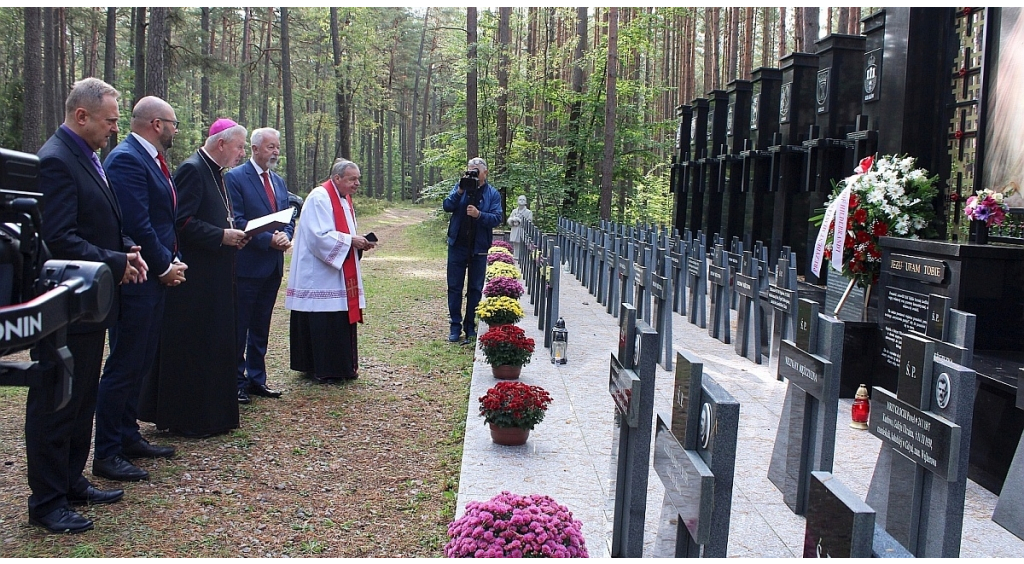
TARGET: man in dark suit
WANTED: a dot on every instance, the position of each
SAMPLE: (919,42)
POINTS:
(81,221)
(137,171)
(192,389)
(256,190)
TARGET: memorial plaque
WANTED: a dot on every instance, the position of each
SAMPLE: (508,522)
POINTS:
(839,524)
(872,75)
(693,266)
(746,286)
(689,483)
(915,369)
(904,311)
(835,287)
(821,92)
(627,334)
(931,441)
(785,97)
(806,312)
(918,268)
(938,311)
(781,298)
(716,275)
(805,370)
(688,375)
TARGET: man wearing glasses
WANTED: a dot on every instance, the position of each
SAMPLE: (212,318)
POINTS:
(138,173)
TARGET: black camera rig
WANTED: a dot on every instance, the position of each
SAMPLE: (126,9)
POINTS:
(470,180)
(39,298)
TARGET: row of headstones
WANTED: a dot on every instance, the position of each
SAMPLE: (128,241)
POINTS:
(662,272)
(918,487)
(539,256)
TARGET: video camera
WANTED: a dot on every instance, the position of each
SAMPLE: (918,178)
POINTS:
(470,180)
(39,298)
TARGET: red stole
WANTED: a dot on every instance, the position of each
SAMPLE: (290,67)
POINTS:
(348,266)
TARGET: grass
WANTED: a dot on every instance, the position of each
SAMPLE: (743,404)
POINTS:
(374,463)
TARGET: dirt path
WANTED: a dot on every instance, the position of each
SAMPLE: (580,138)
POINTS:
(368,468)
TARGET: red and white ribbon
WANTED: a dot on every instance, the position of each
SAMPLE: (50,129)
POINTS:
(838,210)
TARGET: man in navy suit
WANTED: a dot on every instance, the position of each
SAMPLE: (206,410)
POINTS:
(256,190)
(81,221)
(137,170)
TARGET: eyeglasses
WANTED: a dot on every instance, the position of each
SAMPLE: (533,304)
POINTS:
(171,121)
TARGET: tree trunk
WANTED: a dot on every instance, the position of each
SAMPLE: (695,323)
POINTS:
(811,29)
(139,64)
(748,44)
(390,180)
(504,40)
(854,21)
(573,159)
(244,72)
(413,157)
(472,121)
(292,165)
(782,33)
(424,114)
(109,62)
(60,32)
(51,118)
(798,30)
(844,20)
(378,157)
(32,114)
(611,70)
(343,140)
(156,80)
(265,104)
(207,48)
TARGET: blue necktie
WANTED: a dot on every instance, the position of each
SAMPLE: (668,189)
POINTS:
(99,167)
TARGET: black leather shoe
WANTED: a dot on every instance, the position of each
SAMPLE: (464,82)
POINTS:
(95,496)
(263,391)
(143,449)
(118,468)
(243,397)
(62,520)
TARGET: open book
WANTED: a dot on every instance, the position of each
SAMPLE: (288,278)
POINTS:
(271,222)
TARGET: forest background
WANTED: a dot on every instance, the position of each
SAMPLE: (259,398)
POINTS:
(572,107)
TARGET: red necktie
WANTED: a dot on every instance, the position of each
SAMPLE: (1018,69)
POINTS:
(174,194)
(270,191)
(167,175)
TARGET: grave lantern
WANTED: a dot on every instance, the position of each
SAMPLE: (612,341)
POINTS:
(559,342)
(861,407)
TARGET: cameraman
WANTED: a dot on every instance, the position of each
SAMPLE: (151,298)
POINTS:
(475,206)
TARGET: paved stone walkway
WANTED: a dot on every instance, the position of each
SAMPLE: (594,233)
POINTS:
(568,455)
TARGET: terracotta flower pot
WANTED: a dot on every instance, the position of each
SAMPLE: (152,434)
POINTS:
(506,372)
(509,436)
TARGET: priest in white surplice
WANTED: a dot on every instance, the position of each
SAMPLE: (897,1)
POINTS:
(325,286)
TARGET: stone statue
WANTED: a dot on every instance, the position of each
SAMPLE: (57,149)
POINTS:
(516,219)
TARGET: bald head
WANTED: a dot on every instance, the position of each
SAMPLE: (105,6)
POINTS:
(154,120)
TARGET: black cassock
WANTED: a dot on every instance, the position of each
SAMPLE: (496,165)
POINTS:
(192,390)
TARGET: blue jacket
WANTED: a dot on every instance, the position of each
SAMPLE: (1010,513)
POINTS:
(489,204)
(249,201)
(148,204)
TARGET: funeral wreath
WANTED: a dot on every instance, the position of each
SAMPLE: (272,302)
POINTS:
(886,196)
